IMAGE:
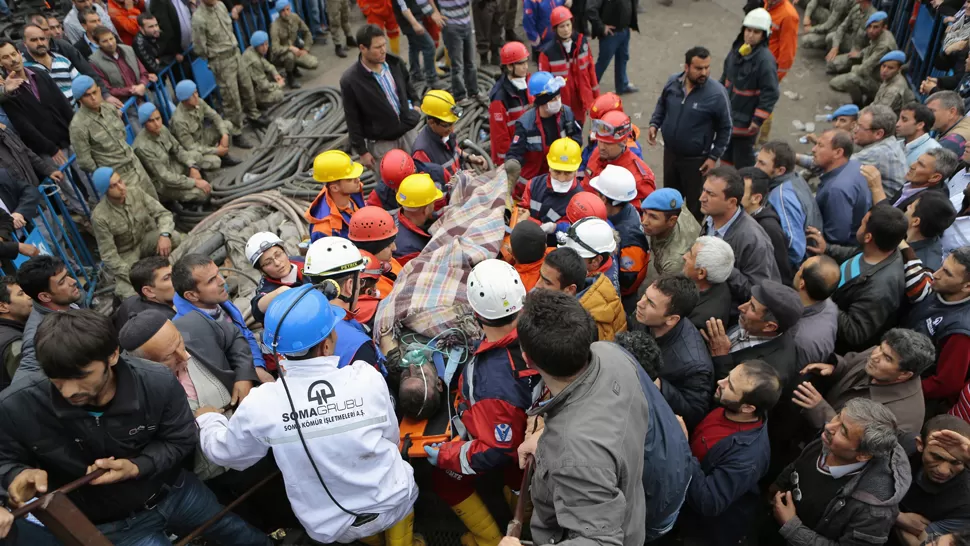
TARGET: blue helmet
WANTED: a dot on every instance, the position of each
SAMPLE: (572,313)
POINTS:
(544,82)
(298,320)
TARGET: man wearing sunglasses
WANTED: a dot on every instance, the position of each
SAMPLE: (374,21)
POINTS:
(437,144)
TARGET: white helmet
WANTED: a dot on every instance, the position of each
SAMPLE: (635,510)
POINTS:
(758,19)
(590,237)
(259,243)
(495,290)
(332,256)
(616,183)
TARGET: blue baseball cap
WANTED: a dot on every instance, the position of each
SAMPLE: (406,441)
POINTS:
(80,86)
(664,199)
(845,110)
(876,17)
(895,55)
(185,89)
(102,179)
(258,38)
(145,111)
(280,5)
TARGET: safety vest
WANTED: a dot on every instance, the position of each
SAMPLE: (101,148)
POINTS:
(577,68)
(410,240)
(327,220)
(506,106)
(532,153)
(430,149)
(350,338)
(545,205)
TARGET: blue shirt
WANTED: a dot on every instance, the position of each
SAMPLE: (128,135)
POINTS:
(722,231)
(792,218)
(843,198)
(919,147)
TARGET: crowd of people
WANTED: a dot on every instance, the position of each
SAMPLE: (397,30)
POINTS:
(772,348)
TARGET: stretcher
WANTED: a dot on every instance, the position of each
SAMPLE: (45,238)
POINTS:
(415,434)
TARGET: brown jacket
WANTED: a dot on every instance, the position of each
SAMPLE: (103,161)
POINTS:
(961,128)
(601,300)
(904,399)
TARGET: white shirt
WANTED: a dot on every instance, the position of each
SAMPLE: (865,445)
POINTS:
(350,428)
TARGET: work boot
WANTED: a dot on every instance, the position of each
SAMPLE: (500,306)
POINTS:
(292,83)
(262,122)
(341,51)
(297,72)
(242,141)
(483,59)
(229,161)
(496,58)
(630,89)
(351,42)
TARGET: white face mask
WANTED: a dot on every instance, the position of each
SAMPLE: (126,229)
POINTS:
(553,107)
(560,187)
(568,44)
(519,83)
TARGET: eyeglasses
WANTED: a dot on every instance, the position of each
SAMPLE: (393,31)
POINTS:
(603,129)
(796,493)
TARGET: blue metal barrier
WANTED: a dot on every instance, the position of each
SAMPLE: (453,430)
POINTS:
(923,45)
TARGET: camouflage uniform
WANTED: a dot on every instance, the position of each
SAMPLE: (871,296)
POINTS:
(213,40)
(894,93)
(99,140)
(263,75)
(169,164)
(818,35)
(851,34)
(129,232)
(283,33)
(863,79)
(199,129)
(338,15)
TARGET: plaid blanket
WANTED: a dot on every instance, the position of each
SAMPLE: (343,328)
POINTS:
(429,295)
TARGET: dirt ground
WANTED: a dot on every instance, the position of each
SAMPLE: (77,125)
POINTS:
(657,51)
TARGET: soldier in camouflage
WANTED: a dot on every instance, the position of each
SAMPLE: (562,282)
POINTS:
(863,79)
(199,128)
(175,169)
(213,39)
(266,80)
(894,91)
(288,49)
(815,34)
(849,38)
(100,139)
(129,225)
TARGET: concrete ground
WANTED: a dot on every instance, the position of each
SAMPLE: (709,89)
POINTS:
(657,51)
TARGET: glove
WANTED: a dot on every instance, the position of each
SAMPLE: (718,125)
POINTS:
(432,451)
(512,169)
(561,237)
(548,228)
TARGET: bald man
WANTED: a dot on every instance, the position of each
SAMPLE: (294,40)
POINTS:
(814,335)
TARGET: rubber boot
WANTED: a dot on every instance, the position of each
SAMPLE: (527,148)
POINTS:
(468,539)
(395,45)
(476,517)
(402,533)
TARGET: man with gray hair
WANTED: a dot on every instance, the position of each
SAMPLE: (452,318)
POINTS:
(709,263)
(888,373)
(929,172)
(949,119)
(875,136)
(846,486)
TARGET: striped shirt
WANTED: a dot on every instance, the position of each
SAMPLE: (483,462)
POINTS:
(62,71)
(458,12)
(386,80)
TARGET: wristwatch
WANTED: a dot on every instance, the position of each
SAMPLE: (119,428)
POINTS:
(166,234)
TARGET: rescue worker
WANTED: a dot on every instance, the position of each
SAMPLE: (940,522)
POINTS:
(337,263)
(99,137)
(417,196)
(494,392)
(613,132)
(584,205)
(538,128)
(616,187)
(128,226)
(381,13)
(279,272)
(396,165)
(863,79)
(365,488)
(199,128)
(213,39)
(894,91)
(536,18)
(604,104)
(370,295)
(783,39)
(548,195)
(508,99)
(341,196)
(437,144)
(595,242)
(177,171)
(527,244)
(751,80)
(373,231)
(569,56)
(868,42)
(290,41)
(267,82)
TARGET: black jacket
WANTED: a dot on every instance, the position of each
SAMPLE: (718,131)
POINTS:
(751,82)
(621,14)
(867,303)
(170,41)
(146,49)
(17,194)
(713,303)
(148,422)
(10,331)
(219,346)
(83,48)
(686,377)
(22,161)
(43,125)
(694,125)
(779,352)
(137,304)
(369,115)
(769,221)
(905,203)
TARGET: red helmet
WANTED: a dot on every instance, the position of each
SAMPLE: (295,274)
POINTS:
(396,165)
(373,269)
(371,224)
(583,205)
(514,52)
(560,14)
(614,127)
(607,102)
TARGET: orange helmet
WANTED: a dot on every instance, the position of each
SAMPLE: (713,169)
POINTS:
(396,165)
(583,205)
(607,102)
(373,269)
(371,224)
(614,127)
(513,52)
(560,14)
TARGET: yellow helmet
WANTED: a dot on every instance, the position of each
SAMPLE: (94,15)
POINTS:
(418,190)
(440,104)
(334,165)
(564,155)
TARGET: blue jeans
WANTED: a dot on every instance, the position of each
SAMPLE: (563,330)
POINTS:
(4,9)
(188,505)
(318,16)
(461,48)
(615,45)
(419,46)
